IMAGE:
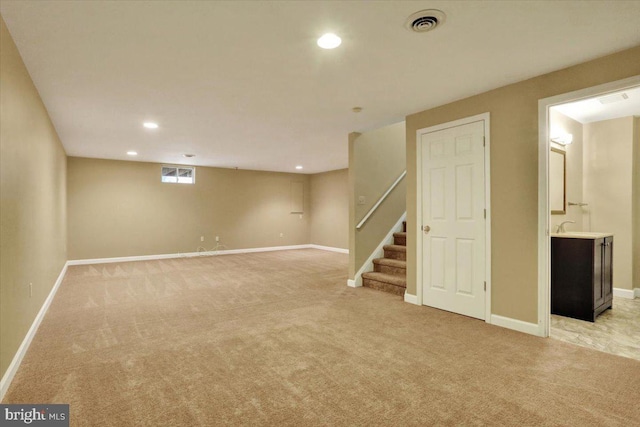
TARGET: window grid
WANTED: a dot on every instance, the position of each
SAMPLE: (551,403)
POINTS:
(178,174)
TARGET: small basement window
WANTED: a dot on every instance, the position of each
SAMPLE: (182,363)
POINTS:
(179,174)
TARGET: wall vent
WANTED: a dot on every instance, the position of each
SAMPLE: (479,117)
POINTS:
(425,20)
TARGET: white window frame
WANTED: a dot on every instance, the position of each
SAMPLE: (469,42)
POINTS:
(177,168)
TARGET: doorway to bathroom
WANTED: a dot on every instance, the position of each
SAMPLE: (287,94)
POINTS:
(589,217)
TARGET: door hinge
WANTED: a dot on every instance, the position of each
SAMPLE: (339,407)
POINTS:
(485,214)
(485,286)
(484,141)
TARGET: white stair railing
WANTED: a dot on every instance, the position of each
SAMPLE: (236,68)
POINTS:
(380,200)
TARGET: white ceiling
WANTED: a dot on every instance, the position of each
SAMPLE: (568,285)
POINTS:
(592,110)
(243,84)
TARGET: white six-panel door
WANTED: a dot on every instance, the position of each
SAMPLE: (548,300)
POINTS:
(453,215)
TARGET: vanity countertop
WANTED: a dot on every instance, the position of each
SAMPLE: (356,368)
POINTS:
(582,235)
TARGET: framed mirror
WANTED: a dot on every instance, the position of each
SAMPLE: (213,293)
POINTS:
(557,182)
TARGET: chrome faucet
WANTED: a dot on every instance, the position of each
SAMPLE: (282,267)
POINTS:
(560,228)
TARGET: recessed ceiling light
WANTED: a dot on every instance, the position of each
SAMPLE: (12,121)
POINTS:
(298,167)
(329,41)
(132,153)
(150,125)
(188,155)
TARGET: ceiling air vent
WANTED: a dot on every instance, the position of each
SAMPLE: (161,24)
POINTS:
(425,20)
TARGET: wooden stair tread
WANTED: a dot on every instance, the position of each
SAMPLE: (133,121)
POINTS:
(386,278)
(391,262)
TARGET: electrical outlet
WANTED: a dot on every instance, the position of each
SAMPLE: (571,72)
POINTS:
(202,238)
(30,290)
(217,238)
(361,200)
(281,234)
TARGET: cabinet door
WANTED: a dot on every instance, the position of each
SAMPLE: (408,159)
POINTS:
(598,262)
(607,269)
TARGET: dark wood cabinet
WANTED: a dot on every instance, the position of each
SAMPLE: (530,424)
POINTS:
(581,276)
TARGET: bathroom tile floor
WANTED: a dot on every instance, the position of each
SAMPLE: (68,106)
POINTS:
(615,331)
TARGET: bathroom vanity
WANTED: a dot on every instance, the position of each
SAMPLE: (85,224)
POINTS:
(581,274)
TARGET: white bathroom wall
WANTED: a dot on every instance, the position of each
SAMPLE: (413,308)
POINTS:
(560,124)
(607,187)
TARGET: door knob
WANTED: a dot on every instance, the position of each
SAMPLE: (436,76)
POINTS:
(426,229)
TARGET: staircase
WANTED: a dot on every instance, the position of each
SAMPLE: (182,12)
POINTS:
(390,273)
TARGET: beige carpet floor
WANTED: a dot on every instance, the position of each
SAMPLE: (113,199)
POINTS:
(277,338)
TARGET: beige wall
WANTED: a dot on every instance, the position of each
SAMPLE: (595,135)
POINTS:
(330,209)
(608,178)
(514,173)
(376,159)
(32,201)
(573,155)
(120,208)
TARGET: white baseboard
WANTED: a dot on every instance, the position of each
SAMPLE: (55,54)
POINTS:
(22,350)
(253,250)
(624,293)
(203,253)
(516,325)
(329,248)
(354,283)
(411,299)
(357,282)
(636,292)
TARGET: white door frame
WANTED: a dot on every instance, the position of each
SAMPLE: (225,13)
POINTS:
(487,202)
(544,242)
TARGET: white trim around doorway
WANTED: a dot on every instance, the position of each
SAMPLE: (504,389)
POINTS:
(544,250)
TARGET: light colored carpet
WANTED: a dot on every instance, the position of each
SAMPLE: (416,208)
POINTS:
(277,338)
